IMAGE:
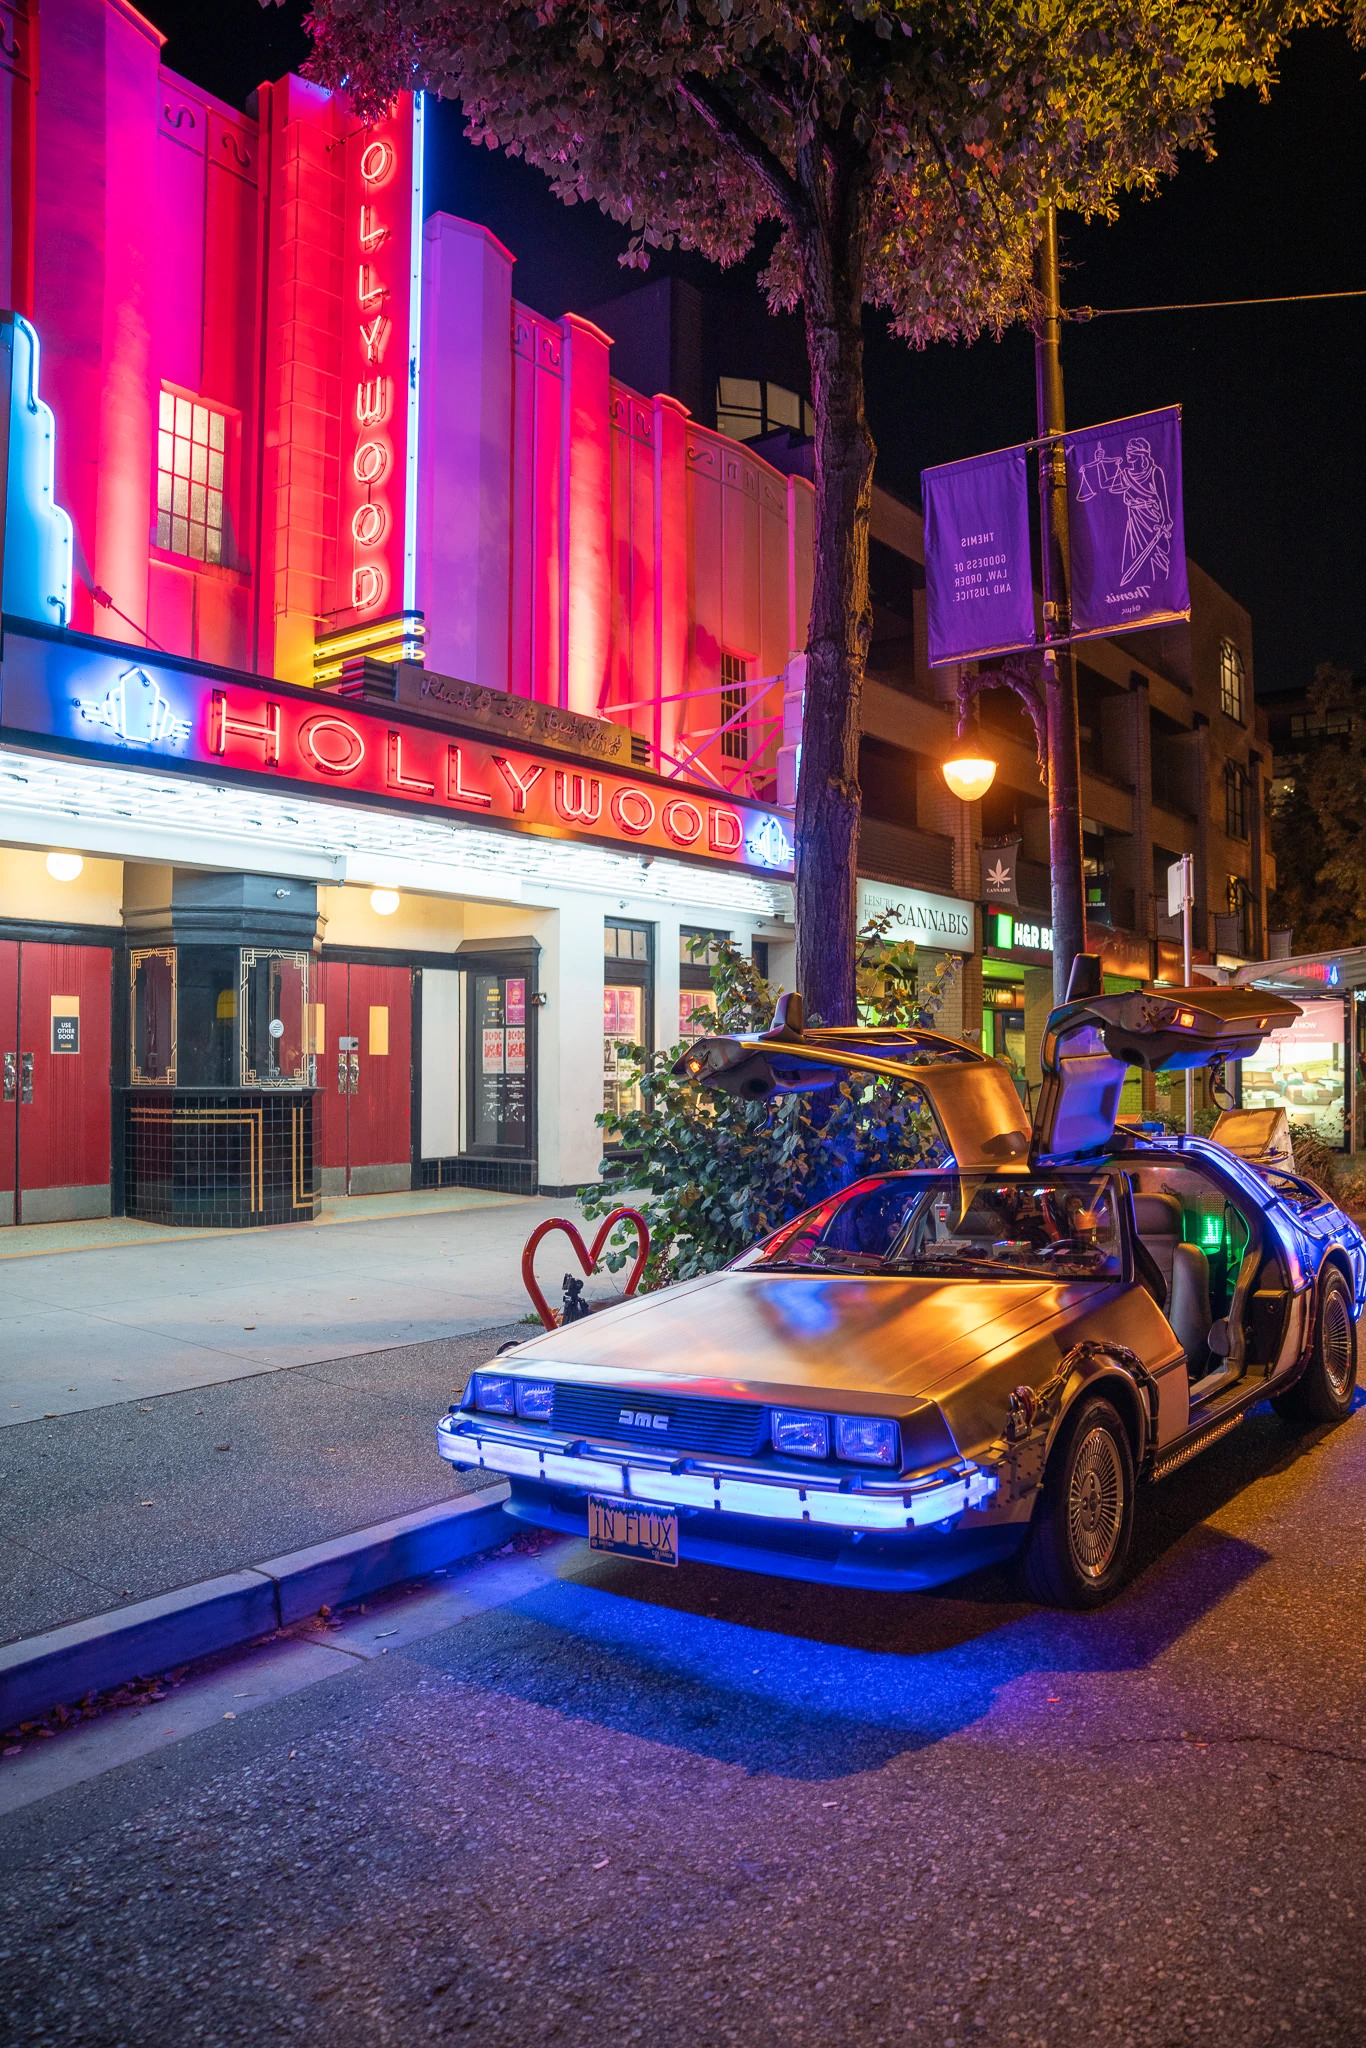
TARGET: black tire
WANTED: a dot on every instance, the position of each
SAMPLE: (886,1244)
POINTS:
(1324,1390)
(1077,1550)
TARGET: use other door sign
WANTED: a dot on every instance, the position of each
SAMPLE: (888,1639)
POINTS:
(66,1034)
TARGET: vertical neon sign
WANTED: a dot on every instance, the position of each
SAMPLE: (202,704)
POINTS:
(376,545)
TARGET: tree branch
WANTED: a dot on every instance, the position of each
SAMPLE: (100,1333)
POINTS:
(721,117)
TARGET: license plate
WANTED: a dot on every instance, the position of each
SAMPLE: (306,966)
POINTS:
(633,1528)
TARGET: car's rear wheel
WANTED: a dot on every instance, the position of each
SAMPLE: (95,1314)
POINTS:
(1324,1390)
(1077,1550)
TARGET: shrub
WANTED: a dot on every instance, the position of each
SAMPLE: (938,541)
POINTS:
(712,1174)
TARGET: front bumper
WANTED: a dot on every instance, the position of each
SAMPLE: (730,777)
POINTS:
(824,1500)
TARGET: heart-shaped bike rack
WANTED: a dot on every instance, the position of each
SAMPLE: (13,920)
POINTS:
(586,1255)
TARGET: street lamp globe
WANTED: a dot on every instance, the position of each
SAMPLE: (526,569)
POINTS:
(969,775)
(64,867)
(384,901)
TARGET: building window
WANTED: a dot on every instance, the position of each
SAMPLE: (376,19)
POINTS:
(747,408)
(191,445)
(627,1018)
(1235,800)
(1230,681)
(698,952)
(734,697)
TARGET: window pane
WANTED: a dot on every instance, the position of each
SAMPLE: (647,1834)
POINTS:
(197,502)
(180,497)
(180,534)
(740,392)
(196,547)
(164,530)
(184,415)
(165,451)
(199,464)
(609,942)
(201,423)
(214,546)
(215,511)
(784,407)
(216,424)
(182,457)
(166,410)
(216,468)
(163,492)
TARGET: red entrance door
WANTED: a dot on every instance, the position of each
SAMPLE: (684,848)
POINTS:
(364,1035)
(54,1081)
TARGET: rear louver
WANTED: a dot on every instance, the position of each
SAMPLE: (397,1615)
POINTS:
(733,1429)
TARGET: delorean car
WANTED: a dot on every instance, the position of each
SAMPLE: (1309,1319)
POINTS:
(970,1362)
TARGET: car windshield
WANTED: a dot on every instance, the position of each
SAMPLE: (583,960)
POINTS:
(957,1225)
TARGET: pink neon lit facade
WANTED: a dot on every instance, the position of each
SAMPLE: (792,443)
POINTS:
(389,429)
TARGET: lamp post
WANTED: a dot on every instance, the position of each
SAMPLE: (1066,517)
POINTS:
(1063,744)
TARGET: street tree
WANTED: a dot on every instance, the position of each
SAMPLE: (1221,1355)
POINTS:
(1318,821)
(894,153)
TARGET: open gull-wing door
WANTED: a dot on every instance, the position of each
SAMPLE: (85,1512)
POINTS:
(1088,1046)
(971,1098)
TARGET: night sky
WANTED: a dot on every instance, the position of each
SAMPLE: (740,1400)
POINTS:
(1274,397)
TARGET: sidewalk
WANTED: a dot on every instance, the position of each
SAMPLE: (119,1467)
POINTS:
(114,1505)
(94,1314)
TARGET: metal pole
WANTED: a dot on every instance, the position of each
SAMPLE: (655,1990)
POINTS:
(1186,897)
(1060,690)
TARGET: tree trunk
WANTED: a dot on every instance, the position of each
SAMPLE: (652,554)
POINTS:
(828,799)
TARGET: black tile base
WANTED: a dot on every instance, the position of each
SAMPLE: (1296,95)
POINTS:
(220,1159)
(499,1176)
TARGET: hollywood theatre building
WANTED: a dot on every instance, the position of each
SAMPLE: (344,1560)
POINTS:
(391,701)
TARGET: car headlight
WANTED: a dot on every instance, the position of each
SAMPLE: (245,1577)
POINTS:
(798,1434)
(495,1393)
(867,1439)
(535,1400)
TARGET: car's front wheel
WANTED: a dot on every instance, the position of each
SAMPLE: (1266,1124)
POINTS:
(1077,1550)
(1323,1392)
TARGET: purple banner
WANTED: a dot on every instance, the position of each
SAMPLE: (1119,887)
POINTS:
(977,573)
(1127,534)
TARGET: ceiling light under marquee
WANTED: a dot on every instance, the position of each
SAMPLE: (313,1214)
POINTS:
(64,867)
(384,902)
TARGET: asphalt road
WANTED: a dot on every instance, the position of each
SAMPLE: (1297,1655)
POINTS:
(574,1800)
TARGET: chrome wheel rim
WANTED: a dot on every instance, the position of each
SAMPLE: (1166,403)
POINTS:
(1335,1341)
(1095,1503)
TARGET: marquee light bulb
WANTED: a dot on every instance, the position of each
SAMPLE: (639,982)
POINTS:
(384,902)
(64,867)
(969,776)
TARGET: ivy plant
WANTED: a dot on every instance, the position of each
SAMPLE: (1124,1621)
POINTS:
(712,1173)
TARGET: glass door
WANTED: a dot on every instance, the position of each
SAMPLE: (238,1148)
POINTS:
(500,1078)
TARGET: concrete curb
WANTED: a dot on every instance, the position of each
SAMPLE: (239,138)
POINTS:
(40,1672)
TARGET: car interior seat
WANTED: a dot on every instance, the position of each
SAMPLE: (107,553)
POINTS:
(1188,1304)
(1161,1225)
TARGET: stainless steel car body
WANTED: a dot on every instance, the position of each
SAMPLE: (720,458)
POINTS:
(978,1373)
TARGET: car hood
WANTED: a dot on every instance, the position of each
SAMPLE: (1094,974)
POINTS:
(774,1337)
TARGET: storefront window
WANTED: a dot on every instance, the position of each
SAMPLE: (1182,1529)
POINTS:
(274,1003)
(627,978)
(499,1100)
(152,999)
(1301,1070)
(699,950)
(206,1007)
